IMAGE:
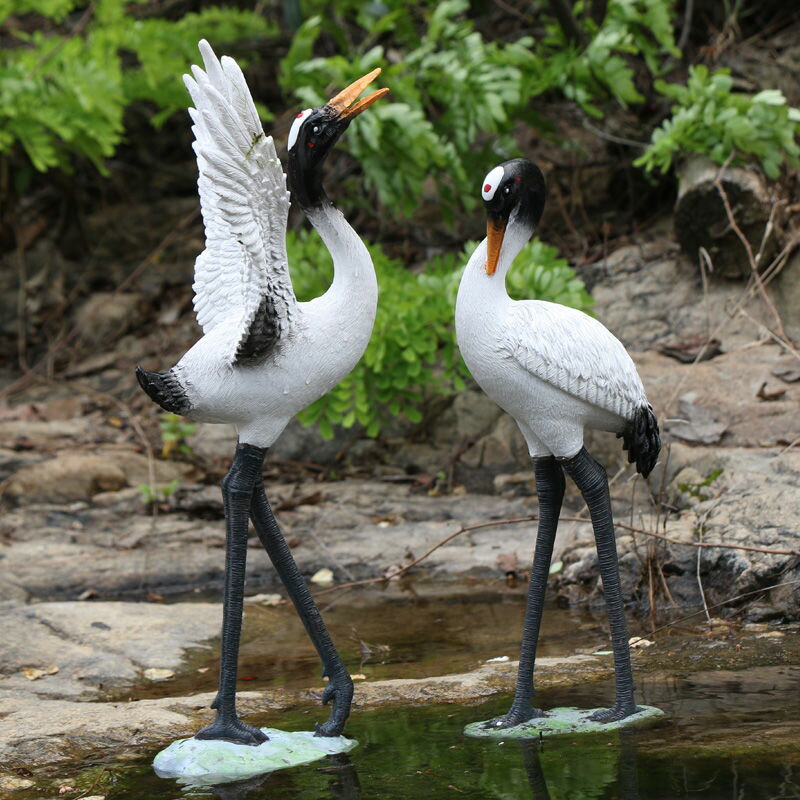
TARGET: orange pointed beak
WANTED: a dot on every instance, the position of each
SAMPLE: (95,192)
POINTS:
(495,231)
(341,104)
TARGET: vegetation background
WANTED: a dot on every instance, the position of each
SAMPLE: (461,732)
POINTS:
(97,196)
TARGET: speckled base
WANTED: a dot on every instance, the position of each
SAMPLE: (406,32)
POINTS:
(208,761)
(561,722)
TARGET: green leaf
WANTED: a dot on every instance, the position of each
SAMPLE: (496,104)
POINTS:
(710,118)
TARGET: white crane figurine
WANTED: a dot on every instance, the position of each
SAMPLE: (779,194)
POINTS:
(557,371)
(264,356)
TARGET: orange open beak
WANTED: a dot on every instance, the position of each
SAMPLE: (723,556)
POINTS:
(495,231)
(341,103)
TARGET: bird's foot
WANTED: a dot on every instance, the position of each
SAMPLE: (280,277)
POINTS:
(517,714)
(617,712)
(232,730)
(340,692)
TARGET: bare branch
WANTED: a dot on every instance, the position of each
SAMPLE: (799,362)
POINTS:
(752,259)
(534,518)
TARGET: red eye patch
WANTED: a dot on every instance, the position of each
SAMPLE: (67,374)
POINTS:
(488,187)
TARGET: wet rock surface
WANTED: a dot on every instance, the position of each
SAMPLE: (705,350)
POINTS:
(45,722)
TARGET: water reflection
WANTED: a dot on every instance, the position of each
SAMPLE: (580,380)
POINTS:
(596,768)
(339,771)
(344,784)
(725,735)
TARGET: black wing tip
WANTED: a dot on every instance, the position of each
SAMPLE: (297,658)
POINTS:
(264,331)
(642,440)
(165,389)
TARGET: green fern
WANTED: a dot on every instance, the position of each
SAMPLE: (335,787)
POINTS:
(457,97)
(64,96)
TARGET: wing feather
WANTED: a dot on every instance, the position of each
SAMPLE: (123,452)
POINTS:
(243,272)
(575,353)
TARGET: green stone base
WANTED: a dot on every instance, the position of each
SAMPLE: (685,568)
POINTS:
(562,722)
(205,762)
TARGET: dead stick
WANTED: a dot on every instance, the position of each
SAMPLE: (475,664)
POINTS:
(534,518)
(725,603)
(749,548)
(748,248)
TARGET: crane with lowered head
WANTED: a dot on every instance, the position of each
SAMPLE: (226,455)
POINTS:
(557,371)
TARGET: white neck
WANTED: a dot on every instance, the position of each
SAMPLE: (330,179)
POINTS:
(353,272)
(485,289)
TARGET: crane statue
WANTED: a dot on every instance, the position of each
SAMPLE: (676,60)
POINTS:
(557,371)
(264,356)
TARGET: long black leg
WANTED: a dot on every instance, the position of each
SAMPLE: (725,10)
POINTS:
(592,481)
(550,492)
(237,490)
(340,686)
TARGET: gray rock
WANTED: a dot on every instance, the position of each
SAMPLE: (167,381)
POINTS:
(107,315)
(299,443)
(84,647)
(735,497)
(14,431)
(787,295)
(81,475)
(71,476)
(696,424)
(12,461)
(296,443)
(500,449)
(421,457)
(211,441)
(472,415)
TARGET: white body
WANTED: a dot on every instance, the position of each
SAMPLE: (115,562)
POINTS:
(245,205)
(322,343)
(556,370)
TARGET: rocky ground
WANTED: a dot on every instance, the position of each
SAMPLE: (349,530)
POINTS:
(80,468)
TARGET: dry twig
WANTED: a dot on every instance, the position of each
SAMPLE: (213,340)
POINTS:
(751,258)
(534,518)
(725,603)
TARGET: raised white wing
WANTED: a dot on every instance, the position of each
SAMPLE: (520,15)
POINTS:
(242,277)
(575,353)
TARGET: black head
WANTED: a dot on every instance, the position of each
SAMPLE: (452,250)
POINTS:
(513,186)
(315,131)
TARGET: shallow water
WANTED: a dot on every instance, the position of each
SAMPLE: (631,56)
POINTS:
(731,736)
(728,734)
(384,636)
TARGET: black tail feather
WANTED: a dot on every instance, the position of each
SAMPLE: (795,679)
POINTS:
(642,441)
(165,389)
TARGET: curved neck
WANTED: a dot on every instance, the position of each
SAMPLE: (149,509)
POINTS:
(352,264)
(516,237)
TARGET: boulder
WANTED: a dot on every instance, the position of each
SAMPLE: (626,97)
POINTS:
(105,316)
(732,496)
(70,477)
(67,477)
